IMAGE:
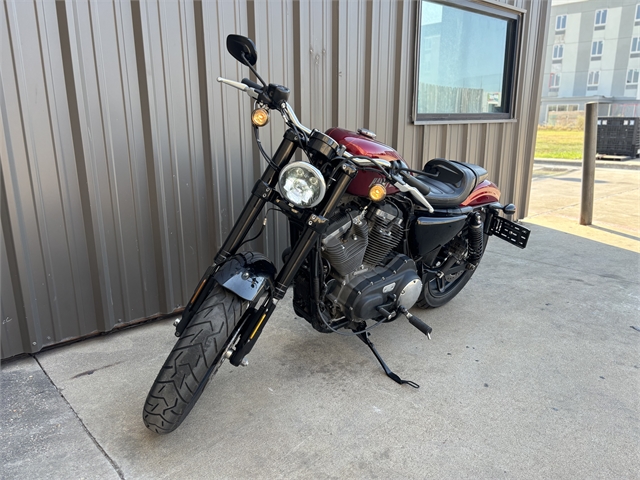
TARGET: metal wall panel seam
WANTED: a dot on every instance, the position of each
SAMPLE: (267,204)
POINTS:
(106,95)
(149,159)
(137,169)
(96,310)
(28,249)
(60,264)
(203,78)
(161,141)
(95,141)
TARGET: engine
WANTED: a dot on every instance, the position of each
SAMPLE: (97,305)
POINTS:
(367,278)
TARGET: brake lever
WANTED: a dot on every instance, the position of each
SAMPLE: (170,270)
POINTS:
(240,86)
(404,187)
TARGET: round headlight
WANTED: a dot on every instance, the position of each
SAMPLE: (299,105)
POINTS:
(302,184)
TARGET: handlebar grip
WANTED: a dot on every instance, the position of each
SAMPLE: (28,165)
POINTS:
(251,84)
(414,182)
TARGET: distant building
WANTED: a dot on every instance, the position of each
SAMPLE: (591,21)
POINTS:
(593,54)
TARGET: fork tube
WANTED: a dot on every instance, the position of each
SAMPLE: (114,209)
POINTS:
(315,225)
(259,197)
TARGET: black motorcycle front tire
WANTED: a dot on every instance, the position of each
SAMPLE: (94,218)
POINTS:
(195,358)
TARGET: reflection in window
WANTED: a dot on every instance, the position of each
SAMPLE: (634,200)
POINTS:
(554,80)
(596,48)
(466,62)
(562,108)
(558,51)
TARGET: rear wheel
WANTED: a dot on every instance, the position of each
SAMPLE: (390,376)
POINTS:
(441,287)
(195,358)
(438,291)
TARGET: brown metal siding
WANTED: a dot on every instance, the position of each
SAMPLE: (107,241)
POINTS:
(124,163)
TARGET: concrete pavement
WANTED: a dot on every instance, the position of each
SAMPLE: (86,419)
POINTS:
(533,372)
(555,203)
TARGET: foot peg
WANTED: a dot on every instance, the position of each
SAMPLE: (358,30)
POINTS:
(416,322)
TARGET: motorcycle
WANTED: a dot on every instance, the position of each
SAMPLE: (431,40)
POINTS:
(370,238)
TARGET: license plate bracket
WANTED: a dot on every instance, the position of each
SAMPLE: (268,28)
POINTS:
(509,231)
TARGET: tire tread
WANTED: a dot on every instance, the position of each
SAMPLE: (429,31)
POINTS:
(188,367)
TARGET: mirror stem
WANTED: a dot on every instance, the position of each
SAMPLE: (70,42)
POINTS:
(253,69)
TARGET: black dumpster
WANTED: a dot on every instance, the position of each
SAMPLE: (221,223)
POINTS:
(619,136)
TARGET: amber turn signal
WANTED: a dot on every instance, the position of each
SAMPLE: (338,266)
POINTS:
(377,192)
(260,117)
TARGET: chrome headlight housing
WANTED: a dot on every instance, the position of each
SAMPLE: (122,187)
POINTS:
(302,184)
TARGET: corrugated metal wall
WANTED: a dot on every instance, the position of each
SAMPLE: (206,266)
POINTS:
(124,162)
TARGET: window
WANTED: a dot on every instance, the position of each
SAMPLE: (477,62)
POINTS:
(632,76)
(635,45)
(561,108)
(596,48)
(594,79)
(638,12)
(554,81)
(561,23)
(466,62)
(601,18)
(558,51)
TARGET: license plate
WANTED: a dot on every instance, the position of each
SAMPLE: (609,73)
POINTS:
(510,232)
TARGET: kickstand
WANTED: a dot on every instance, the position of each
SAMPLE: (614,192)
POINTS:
(364,336)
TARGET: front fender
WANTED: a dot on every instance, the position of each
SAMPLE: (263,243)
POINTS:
(246,274)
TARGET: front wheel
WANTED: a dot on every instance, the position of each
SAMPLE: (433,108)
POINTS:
(195,358)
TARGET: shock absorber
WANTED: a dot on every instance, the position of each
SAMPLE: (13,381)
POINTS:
(476,238)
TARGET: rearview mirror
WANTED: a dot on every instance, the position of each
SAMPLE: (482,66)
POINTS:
(237,45)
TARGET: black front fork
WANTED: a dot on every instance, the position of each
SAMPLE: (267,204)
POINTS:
(315,225)
(259,196)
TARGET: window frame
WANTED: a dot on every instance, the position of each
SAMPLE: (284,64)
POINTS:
(637,49)
(635,72)
(601,24)
(597,43)
(558,47)
(554,81)
(593,78)
(563,21)
(511,66)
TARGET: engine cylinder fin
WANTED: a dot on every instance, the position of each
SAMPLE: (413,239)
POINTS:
(345,246)
(384,235)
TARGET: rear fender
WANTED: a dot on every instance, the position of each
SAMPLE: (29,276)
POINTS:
(247,275)
(484,193)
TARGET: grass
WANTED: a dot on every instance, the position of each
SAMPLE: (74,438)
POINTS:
(556,143)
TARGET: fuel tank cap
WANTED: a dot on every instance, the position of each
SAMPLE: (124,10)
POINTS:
(367,133)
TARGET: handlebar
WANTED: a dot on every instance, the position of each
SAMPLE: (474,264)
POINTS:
(240,86)
(405,184)
(252,84)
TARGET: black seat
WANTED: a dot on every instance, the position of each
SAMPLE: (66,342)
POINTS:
(450,182)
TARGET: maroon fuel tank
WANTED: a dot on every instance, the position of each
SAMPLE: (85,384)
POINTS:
(357,144)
